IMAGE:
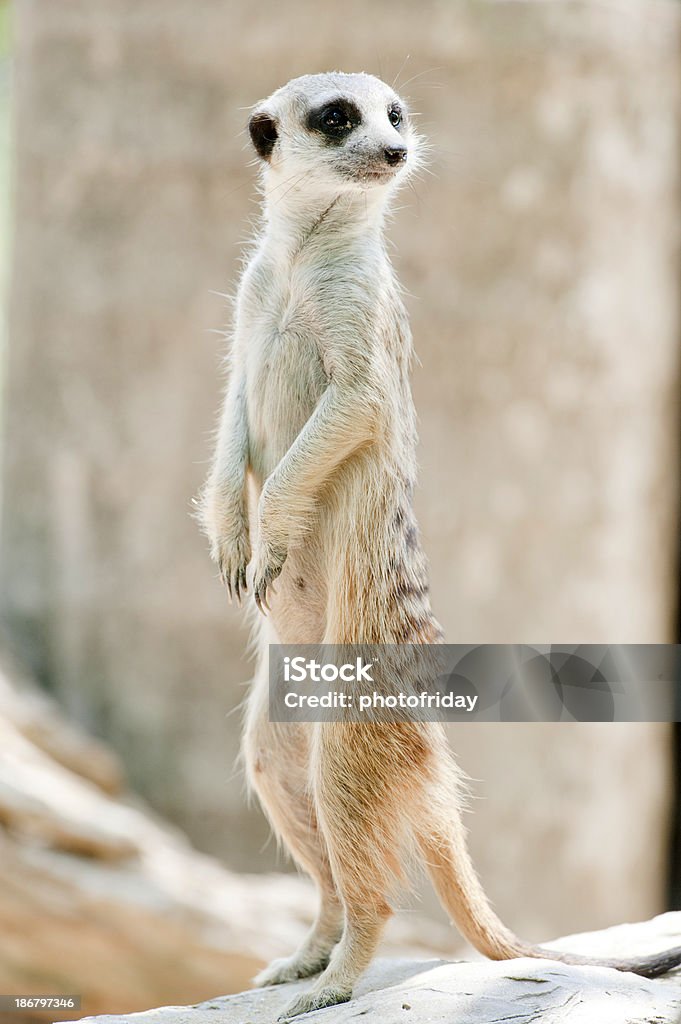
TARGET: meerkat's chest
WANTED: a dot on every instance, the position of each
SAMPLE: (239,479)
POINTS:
(285,374)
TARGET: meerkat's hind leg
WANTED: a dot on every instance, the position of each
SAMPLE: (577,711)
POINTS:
(302,839)
(365,778)
(277,762)
(292,819)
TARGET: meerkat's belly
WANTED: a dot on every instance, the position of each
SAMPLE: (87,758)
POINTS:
(298,598)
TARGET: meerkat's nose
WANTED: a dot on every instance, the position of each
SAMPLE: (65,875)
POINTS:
(395,155)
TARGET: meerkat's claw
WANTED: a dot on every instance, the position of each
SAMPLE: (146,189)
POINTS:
(260,595)
(268,568)
(261,600)
(236,583)
(232,557)
(223,573)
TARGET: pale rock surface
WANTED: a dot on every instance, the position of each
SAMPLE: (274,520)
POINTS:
(511,992)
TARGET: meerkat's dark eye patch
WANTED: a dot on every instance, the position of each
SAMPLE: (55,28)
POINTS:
(263,131)
(395,115)
(335,120)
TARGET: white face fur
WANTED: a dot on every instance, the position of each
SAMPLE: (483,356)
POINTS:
(338,132)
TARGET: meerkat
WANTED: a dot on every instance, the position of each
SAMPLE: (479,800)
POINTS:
(311,487)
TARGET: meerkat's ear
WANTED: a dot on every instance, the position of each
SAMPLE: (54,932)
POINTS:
(263,131)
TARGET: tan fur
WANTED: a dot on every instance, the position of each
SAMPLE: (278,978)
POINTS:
(316,462)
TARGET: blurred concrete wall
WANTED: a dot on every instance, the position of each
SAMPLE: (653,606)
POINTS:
(543,272)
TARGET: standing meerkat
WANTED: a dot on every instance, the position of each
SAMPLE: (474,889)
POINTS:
(312,486)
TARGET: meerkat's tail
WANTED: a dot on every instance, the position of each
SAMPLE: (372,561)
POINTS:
(463,897)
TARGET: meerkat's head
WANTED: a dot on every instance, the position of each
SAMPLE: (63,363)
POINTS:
(335,133)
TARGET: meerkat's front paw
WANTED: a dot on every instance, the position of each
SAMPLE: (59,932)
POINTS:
(269,561)
(223,518)
(232,555)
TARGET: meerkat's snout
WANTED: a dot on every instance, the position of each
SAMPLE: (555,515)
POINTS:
(395,155)
(376,164)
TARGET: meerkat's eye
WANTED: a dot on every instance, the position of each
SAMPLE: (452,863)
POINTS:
(395,117)
(337,119)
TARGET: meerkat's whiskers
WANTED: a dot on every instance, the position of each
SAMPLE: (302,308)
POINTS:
(295,184)
(421,74)
(286,181)
(401,69)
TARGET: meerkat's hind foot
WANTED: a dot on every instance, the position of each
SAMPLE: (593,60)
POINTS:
(316,999)
(292,968)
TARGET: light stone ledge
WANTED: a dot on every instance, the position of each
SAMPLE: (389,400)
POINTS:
(402,991)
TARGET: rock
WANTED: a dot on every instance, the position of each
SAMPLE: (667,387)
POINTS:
(512,992)
(33,715)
